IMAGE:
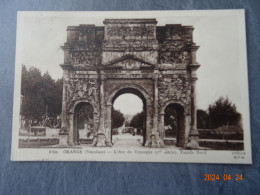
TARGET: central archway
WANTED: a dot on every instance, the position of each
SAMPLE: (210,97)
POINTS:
(140,93)
(129,129)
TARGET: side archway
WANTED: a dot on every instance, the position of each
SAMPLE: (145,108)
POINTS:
(174,124)
(83,123)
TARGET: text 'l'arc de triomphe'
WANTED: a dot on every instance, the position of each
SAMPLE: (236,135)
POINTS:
(156,63)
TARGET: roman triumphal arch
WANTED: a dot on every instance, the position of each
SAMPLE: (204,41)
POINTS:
(157,63)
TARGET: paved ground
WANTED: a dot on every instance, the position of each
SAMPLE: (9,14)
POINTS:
(134,142)
(127,140)
(119,141)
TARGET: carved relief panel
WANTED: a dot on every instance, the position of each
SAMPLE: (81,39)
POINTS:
(90,58)
(176,88)
(85,90)
(174,55)
(130,31)
(175,47)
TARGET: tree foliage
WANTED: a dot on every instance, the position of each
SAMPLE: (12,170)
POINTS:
(118,119)
(41,94)
(220,113)
(137,120)
(202,119)
(223,112)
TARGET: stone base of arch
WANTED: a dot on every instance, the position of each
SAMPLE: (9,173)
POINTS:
(101,140)
(155,141)
(63,138)
(193,141)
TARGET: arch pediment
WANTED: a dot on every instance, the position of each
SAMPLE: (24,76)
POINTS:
(128,62)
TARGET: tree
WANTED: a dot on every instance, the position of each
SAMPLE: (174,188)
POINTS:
(47,92)
(202,119)
(52,94)
(118,119)
(223,112)
(137,120)
(33,105)
(40,93)
(58,94)
(127,123)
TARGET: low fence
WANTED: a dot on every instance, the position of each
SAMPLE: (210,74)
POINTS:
(220,134)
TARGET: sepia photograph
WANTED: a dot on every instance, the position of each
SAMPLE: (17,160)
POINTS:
(142,86)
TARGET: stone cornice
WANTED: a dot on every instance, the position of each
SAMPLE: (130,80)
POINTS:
(193,67)
(66,47)
(76,28)
(130,21)
(66,66)
(194,47)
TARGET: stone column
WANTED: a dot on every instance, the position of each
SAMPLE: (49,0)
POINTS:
(64,98)
(108,125)
(193,141)
(66,68)
(101,140)
(194,135)
(95,123)
(194,49)
(162,125)
(149,110)
(65,125)
(155,140)
(155,114)
(193,106)
(72,139)
(102,109)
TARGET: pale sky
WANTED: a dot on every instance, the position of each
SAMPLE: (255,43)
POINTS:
(128,104)
(223,70)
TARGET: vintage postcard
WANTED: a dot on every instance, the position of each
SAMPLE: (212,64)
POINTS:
(142,86)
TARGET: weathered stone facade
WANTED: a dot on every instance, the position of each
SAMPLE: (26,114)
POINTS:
(157,63)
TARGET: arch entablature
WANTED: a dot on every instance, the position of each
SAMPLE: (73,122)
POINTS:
(172,101)
(74,105)
(139,89)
